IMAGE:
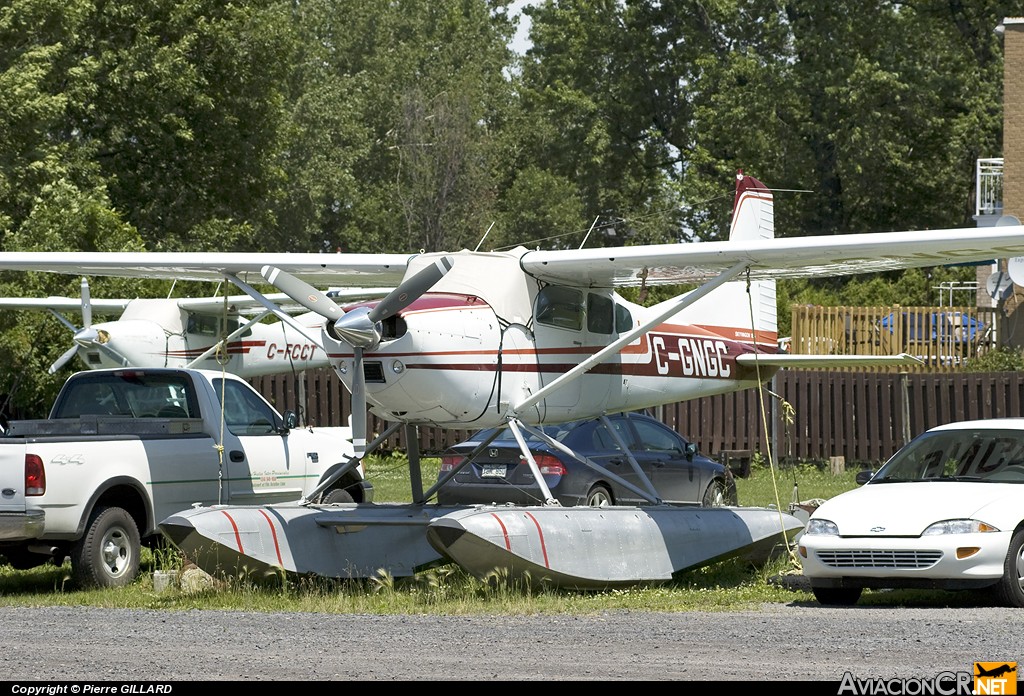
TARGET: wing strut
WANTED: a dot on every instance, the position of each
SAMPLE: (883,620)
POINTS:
(614,347)
(273,308)
(237,332)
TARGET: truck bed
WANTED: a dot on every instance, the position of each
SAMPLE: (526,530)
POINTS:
(104,425)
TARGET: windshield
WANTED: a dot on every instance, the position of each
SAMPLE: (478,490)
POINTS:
(958,455)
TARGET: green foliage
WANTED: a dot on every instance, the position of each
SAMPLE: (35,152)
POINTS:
(1001,359)
(343,125)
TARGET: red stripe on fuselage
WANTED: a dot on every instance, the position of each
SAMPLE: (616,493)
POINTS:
(236,347)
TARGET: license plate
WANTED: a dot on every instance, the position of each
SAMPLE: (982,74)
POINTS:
(493,471)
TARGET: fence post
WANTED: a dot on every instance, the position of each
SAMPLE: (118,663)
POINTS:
(905,406)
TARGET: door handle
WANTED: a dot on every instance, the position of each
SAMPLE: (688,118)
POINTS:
(237,456)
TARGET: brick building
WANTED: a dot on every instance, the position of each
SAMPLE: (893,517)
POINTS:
(1011,184)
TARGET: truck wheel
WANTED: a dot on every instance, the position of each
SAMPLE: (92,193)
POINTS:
(108,554)
(337,495)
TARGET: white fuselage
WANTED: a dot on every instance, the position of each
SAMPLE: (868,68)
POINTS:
(455,359)
(157,333)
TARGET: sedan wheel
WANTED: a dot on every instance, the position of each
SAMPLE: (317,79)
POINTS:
(599,496)
(714,496)
(1011,587)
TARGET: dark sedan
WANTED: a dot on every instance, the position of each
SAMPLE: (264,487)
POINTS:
(501,474)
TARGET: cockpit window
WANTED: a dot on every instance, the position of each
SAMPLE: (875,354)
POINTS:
(560,307)
(599,314)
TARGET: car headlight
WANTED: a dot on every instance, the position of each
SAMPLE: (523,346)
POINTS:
(958,527)
(819,526)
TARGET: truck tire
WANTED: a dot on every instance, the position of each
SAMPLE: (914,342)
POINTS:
(337,495)
(108,555)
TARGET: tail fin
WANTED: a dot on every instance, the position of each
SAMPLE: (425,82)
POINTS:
(751,318)
(753,211)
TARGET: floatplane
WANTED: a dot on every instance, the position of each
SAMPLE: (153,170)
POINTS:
(215,332)
(518,339)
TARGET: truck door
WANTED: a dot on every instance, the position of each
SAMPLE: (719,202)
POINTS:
(258,461)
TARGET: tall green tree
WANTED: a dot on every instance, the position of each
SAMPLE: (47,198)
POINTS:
(389,123)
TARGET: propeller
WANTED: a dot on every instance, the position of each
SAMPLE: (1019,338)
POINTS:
(359,328)
(86,336)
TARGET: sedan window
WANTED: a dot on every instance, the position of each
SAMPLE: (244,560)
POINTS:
(656,439)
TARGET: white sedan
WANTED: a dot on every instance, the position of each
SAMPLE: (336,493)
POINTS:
(945,512)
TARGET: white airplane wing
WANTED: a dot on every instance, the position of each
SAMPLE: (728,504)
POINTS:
(796,257)
(659,264)
(364,270)
(61,304)
(243,304)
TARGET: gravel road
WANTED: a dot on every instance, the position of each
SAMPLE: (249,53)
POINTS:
(780,642)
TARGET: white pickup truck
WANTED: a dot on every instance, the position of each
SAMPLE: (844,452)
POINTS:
(124,449)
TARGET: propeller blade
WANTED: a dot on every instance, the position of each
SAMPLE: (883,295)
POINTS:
(302,292)
(358,404)
(410,290)
(63,359)
(86,304)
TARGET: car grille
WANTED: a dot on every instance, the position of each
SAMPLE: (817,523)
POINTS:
(879,559)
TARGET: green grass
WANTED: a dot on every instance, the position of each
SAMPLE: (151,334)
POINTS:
(726,586)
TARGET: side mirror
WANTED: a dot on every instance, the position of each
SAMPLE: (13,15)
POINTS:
(691,450)
(291,420)
(863,477)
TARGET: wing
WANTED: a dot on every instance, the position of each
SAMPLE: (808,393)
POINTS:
(62,304)
(825,361)
(243,304)
(658,264)
(666,264)
(364,270)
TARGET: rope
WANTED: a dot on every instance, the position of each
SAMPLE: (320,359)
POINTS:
(788,413)
(219,445)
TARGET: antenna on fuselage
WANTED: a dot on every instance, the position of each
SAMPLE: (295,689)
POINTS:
(587,236)
(484,237)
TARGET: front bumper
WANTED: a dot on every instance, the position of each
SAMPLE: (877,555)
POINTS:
(890,562)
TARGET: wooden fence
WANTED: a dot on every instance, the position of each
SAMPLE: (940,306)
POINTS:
(945,338)
(801,415)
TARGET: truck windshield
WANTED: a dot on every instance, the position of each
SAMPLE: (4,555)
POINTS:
(959,455)
(131,393)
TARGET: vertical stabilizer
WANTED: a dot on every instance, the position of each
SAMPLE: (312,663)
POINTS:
(731,308)
(753,211)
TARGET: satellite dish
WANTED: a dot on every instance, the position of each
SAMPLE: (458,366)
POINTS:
(1015,267)
(1000,285)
